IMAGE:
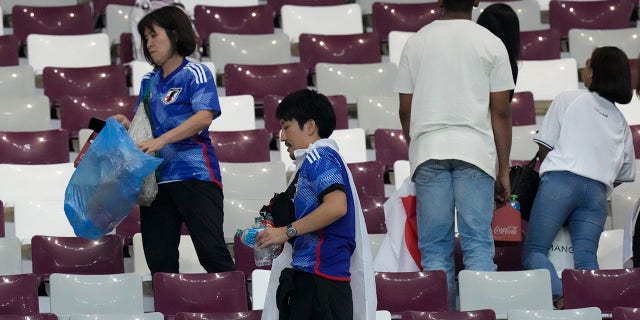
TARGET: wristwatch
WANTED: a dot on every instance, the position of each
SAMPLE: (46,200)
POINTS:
(291,231)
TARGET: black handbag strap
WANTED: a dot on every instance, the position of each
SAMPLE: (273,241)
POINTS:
(291,189)
(531,164)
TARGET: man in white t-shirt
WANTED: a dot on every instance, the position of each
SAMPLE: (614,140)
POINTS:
(453,82)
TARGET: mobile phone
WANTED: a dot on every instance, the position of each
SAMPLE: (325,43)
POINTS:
(96,124)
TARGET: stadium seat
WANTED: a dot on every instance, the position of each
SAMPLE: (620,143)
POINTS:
(626,313)
(242,145)
(25,113)
(243,315)
(483,314)
(272,48)
(528,13)
(540,44)
(10,253)
(582,42)
(390,146)
(257,180)
(129,226)
(74,255)
(339,48)
(241,213)
(261,80)
(397,39)
(355,80)
(345,19)
(368,177)
(34,147)
(175,292)
(237,113)
(607,14)
(77,111)
(41,217)
(47,20)
(103,293)
(17,81)
(605,289)
(505,290)
(245,261)
(190,5)
(420,291)
(8,51)
(118,316)
(591,313)
(259,285)
(19,294)
(401,171)
(37,316)
(70,51)
(117,19)
(373,210)
(251,19)
(523,110)
(376,112)
(409,17)
(46,182)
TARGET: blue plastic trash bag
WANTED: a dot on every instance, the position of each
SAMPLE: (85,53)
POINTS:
(105,186)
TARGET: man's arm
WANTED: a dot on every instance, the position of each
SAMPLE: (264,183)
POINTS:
(332,208)
(500,109)
(405,114)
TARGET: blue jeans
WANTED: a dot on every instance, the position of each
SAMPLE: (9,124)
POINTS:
(581,202)
(441,187)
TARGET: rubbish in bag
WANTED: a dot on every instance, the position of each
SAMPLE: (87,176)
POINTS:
(105,186)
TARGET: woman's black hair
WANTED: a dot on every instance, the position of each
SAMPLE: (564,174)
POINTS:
(457,5)
(611,75)
(177,25)
(304,105)
(502,21)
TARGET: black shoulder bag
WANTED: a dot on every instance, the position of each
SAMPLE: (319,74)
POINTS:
(281,208)
(524,182)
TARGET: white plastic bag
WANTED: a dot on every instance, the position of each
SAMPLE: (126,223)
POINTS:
(140,130)
(561,251)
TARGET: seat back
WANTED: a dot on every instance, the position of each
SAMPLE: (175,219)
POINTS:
(46,182)
(77,111)
(17,81)
(8,50)
(261,80)
(190,5)
(61,20)
(118,20)
(547,78)
(355,80)
(76,51)
(339,48)
(410,17)
(243,315)
(345,19)
(41,217)
(248,19)
(253,180)
(631,111)
(397,40)
(523,110)
(240,213)
(583,41)
(104,293)
(368,177)
(401,171)
(522,145)
(528,13)
(19,294)
(259,285)
(225,48)
(605,289)
(505,290)
(591,313)
(610,249)
(119,316)
(34,147)
(129,226)
(566,15)
(626,313)
(420,291)
(109,80)
(100,6)
(242,146)
(237,113)
(74,255)
(540,44)
(37,316)
(245,262)
(26,113)
(373,210)
(375,112)
(188,261)
(390,146)
(352,144)
(483,314)
(175,293)
(10,252)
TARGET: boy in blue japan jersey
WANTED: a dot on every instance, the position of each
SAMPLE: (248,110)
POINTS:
(182,101)
(324,229)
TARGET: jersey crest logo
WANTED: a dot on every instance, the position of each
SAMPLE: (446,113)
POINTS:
(172,95)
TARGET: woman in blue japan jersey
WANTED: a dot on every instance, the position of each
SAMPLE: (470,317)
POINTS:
(183,100)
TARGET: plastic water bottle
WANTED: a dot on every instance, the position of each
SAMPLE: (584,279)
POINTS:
(513,202)
(262,257)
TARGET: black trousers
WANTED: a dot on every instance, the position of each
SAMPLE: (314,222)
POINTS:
(306,296)
(197,203)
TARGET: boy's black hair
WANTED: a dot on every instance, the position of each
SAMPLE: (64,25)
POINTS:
(611,75)
(304,105)
(177,25)
(457,5)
